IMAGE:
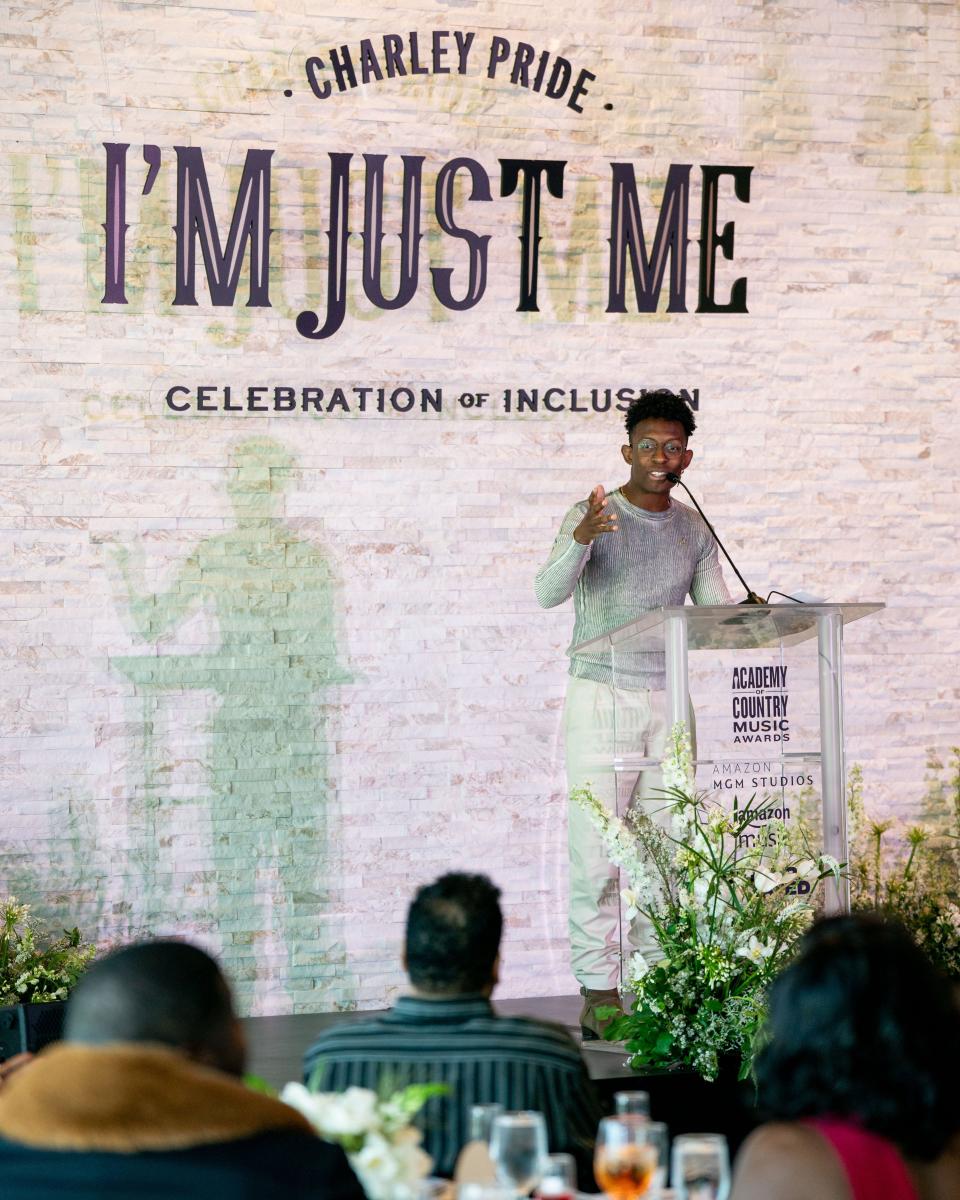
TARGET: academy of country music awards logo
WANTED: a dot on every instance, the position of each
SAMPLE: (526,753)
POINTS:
(758,704)
(640,264)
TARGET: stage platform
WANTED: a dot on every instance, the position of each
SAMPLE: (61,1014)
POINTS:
(276,1044)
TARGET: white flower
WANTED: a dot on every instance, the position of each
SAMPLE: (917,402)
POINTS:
(806,868)
(828,863)
(354,1112)
(622,847)
(791,910)
(677,766)
(718,821)
(297,1096)
(389,1163)
(631,903)
(766,881)
(393,1116)
(637,967)
(695,898)
(377,1167)
(350,1114)
(391,1171)
(755,950)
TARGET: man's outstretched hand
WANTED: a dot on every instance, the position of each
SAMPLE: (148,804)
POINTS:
(600,518)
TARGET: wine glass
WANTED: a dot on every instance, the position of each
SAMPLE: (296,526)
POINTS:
(518,1148)
(701,1166)
(625,1158)
(481,1120)
(631,1104)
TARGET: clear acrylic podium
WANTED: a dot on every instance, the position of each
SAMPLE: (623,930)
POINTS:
(774,732)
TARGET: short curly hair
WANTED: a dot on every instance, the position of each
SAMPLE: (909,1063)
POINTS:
(862,1025)
(660,404)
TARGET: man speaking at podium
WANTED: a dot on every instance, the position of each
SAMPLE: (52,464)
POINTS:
(620,555)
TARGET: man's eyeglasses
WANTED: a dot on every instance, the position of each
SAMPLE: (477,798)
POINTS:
(670,449)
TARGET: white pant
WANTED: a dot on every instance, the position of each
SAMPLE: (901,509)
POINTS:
(641,727)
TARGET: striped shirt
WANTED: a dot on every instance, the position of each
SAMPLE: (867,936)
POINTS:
(484,1058)
(653,559)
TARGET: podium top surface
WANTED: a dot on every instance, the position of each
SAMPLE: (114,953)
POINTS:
(725,626)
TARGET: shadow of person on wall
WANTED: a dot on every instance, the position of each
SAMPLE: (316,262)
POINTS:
(272,595)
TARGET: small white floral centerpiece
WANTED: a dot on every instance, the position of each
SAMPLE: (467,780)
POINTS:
(35,966)
(376,1132)
(725,905)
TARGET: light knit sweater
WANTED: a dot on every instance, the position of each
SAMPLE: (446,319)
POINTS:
(653,559)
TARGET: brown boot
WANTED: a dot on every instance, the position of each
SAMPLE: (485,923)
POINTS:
(592,1026)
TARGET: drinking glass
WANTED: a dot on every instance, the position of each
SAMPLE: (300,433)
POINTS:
(632,1104)
(482,1191)
(558,1180)
(701,1166)
(659,1138)
(625,1158)
(518,1148)
(481,1120)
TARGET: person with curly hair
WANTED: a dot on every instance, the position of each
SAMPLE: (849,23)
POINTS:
(859,1073)
(619,555)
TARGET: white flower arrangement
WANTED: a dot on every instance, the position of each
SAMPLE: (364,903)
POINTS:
(381,1143)
(725,910)
(35,966)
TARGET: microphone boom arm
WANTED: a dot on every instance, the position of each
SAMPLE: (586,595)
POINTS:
(752,597)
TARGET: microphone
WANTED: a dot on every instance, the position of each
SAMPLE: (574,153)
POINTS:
(752,597)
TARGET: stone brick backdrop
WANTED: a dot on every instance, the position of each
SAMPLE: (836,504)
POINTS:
(264,674)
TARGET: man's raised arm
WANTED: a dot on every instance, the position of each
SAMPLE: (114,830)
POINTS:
(587,520)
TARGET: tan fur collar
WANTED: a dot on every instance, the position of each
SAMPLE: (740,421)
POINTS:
(125,1098)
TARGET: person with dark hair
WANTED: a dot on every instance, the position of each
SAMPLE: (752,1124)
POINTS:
(453,936)
(859,1073)
(143,1098)
(119,1000)
(620,555)
(446,1031)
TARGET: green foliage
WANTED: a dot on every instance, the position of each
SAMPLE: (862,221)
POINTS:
(256,1083)
(912,875)
(725,903)
(35,966)
(413,1097)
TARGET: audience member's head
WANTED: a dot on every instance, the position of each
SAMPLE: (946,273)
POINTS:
(861,1025)
(453,936)
(165,992)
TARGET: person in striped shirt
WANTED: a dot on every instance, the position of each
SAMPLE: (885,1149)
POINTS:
(620,555)
(446,1031)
